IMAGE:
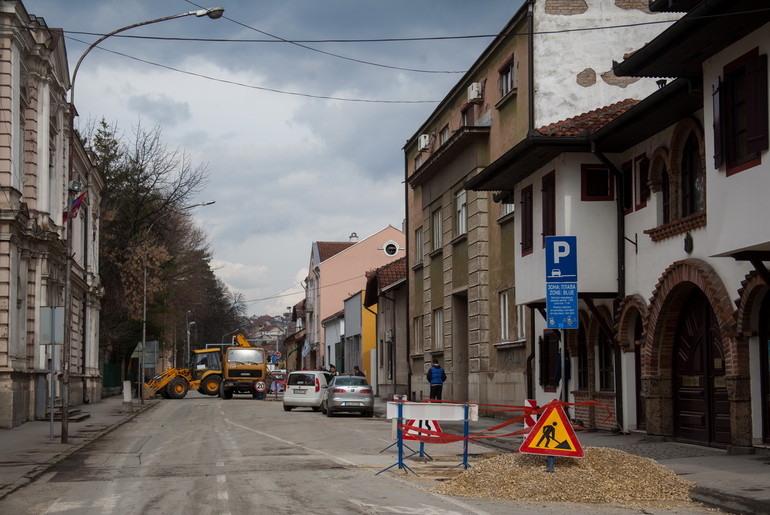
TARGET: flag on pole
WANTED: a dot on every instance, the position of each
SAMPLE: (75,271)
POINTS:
(74,206)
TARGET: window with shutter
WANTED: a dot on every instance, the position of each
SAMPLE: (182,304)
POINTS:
(526,220)
(740,113)
(549,205)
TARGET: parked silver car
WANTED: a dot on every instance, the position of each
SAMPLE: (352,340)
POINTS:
(348,394)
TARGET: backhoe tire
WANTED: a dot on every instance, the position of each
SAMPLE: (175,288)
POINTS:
(210,385)
(177,388)
(164,393)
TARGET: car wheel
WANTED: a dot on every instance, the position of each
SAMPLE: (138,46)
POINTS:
(287,408)
(323,408)
(329,412)
(316,408)
(369,413)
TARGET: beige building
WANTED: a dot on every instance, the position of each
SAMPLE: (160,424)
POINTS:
(36,150)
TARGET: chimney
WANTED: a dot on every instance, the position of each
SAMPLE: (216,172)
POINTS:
(353,237)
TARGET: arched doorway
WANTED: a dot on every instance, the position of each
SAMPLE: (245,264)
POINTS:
(701,406)
(764,363)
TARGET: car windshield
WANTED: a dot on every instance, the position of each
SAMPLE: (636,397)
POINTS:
(241,355)
(350,381)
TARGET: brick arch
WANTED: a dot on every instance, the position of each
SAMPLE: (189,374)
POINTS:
(659,160)
(668,297)
(750,297)
(572,336)
(631,306)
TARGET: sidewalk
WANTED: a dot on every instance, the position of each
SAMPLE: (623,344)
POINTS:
(27,451)
(732,483)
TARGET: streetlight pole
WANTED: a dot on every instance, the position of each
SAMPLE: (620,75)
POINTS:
(231,332)
(144,297)
(211,12)
(189,324)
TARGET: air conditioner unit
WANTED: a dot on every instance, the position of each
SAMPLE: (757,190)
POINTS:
(474,91)
(423,142)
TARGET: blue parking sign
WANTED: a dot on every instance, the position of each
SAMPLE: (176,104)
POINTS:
(561,291)
(561,259)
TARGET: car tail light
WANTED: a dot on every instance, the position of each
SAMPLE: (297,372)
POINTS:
(317,385)
(365,391)
(338,390)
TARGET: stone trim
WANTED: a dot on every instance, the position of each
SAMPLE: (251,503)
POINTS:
(631,306)
(677,227)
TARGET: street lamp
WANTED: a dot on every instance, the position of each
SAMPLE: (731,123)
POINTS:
(189,325)
(144,296)
(231,332)
(211,12)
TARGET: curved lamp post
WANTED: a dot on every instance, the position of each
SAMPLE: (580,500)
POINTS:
(144,297)
(211,12)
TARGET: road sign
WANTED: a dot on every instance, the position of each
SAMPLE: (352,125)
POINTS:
(277,354)
(561,259)
(552,435)
(561,292)
(430,425)
(561,305)
(261,386)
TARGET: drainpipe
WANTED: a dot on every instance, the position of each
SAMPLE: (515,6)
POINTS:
(408,253)
(531,357)
(530,66)
(621,275)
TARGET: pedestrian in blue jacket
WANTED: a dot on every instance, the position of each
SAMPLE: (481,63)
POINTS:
(436,377)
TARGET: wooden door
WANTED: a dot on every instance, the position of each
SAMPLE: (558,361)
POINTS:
(701,406)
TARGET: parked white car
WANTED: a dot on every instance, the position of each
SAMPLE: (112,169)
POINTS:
(304,389)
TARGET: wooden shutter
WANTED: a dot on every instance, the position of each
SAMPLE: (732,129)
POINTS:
(756,99)
(719,151)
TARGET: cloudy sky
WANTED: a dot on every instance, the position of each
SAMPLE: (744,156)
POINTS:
(302,136)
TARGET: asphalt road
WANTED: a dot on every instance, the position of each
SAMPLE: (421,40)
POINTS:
(205,455)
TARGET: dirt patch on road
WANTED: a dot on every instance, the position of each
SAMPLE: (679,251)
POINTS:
(603,476)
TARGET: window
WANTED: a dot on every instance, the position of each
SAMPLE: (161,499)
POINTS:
(461,212)
(740,113)
(549,205)
(437,229)
(507,77)
(665,190)
(596,183)
(505,319)
(641,186)
(507,207)
(550,369)
(443,135)
(606,364)
(418,161)
(469,116)
(438,329)
(521,322)
(526,220)
(692,188)
(419,335)
(628,187)
(418,246)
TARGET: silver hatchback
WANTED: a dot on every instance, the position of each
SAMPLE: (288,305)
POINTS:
(348,394)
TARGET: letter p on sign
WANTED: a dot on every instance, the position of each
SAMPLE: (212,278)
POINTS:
(560,250)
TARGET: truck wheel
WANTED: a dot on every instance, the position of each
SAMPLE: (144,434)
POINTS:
(177,388)
(225,393)
(210,385)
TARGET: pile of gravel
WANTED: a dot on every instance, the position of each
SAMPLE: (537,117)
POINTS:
(604,475)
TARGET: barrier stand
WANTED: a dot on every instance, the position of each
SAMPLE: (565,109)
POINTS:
(422,454)
(465,463)
(551,459)
(400,442)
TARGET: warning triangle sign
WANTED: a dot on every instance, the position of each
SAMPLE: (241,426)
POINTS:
(412,427)
(552,435)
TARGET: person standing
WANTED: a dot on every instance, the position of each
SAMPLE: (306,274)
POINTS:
(436,377)
(357,371)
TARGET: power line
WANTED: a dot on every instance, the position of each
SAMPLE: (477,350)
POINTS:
(261,88)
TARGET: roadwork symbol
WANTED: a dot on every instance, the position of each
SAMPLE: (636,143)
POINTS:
(412,426)
(552,435)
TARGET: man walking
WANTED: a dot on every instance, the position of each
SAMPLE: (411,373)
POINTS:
(436,377)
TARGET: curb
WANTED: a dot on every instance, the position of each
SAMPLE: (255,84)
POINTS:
(43,467)
(729,503)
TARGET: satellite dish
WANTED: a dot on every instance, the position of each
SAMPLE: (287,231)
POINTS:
(391,248)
